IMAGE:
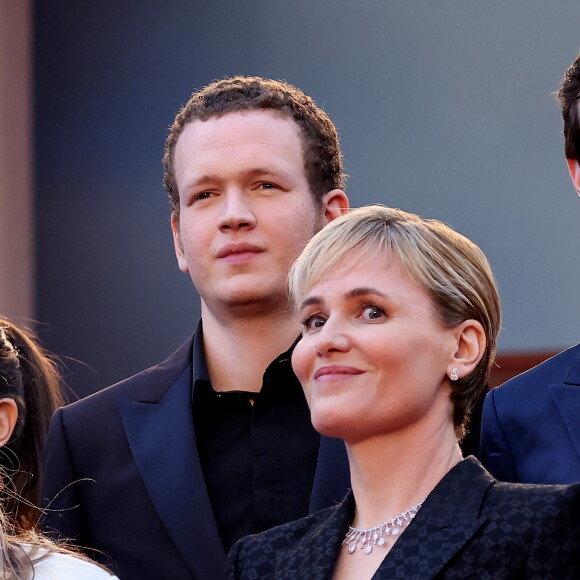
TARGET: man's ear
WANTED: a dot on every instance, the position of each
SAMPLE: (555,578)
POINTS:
(470,347)
(8,418)
(178,245)
(574,169)
(334,204)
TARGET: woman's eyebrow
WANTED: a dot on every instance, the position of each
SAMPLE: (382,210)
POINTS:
(363,291)
(354,293)
(311,300)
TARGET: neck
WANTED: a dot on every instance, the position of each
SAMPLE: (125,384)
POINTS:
(397,471)
(238,349)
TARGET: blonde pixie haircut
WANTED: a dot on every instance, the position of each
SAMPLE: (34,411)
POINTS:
(451,268)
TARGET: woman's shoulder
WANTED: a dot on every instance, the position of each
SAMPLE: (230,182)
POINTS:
(562,501)
(61,566)
(551,492)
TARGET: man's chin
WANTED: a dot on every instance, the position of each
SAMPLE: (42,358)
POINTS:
(252,300)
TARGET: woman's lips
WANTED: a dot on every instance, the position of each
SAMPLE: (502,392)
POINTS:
(335,371)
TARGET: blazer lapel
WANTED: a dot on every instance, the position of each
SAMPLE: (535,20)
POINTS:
(447,521)
(566,395)
(314,556)
(162,439)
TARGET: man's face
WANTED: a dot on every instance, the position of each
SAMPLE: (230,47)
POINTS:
(246,209)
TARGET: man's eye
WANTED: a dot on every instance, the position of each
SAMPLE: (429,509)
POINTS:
(268,185)
(202,195)
(372,312)
(313,323)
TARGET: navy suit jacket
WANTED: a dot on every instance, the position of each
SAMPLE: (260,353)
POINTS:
(123,465)
(531,424)
(469,527)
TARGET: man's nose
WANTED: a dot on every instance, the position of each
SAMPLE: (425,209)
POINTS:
(236,212)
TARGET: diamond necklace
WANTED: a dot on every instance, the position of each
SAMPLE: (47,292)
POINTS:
(377,536)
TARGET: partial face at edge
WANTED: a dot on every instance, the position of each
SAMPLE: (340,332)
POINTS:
(574,169)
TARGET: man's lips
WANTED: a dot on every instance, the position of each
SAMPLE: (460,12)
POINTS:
(239,252)
(335,371)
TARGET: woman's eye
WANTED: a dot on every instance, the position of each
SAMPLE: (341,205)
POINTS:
(313,323)
(371,312)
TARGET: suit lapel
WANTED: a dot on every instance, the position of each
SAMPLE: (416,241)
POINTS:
(573,376)
(447,521)
(314,556)
(566,395)
(162,439)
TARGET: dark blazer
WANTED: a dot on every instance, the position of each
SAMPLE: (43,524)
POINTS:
(139,495)
(531,424)
(470,527)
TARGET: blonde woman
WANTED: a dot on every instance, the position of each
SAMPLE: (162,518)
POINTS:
(400,318)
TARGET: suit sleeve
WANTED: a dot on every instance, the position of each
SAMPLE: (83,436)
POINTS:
(494,451)
(60,501)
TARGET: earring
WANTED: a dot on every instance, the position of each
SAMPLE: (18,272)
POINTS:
(454,374)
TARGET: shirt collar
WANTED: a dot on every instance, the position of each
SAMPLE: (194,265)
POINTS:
(201,379)
(200,372)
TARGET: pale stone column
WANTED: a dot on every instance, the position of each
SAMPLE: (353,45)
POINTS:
(16,163)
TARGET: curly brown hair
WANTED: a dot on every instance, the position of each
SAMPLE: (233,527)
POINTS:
(320,142)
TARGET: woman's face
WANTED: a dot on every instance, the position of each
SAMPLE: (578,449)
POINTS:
(373,357)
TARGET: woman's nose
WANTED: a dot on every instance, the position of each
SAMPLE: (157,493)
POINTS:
(332,338)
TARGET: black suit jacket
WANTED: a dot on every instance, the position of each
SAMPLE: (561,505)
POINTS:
(123,465)
(530,429)
(470,526)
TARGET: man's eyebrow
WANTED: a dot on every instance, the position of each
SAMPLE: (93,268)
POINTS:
(248,173)
(202,179)
(275,171)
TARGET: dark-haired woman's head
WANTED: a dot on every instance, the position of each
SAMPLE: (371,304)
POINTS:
(30,391)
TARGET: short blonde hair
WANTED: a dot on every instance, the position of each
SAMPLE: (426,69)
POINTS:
(451,268)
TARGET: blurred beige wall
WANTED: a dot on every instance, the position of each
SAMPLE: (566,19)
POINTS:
(16,179)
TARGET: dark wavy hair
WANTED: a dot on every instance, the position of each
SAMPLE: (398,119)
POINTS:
(320,143)
(30,376)
(569,97)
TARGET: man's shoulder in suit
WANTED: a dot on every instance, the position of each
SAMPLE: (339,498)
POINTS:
(149,384)
(553,369)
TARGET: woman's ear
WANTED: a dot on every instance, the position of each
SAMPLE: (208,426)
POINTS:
(471,343)
(8,418)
